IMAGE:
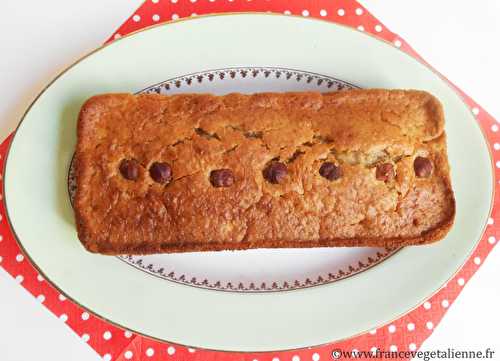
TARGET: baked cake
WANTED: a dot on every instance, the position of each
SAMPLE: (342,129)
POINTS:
(199,172)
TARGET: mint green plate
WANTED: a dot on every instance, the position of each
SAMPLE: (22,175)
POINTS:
(41,216)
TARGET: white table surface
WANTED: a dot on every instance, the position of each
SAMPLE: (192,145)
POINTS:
(39,38)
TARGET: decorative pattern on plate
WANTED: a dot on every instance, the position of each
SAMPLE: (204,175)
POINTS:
(254,270)
(272,77)
(142,264)
(72,180)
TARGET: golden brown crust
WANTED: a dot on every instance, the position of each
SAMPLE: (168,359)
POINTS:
(196,134)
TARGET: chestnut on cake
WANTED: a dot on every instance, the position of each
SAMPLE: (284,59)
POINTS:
(199,172)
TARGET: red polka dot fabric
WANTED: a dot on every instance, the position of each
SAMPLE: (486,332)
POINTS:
(404,334)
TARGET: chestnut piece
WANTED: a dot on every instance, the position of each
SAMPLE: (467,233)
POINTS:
(129,169)
(160,172)
(275,172)
(385,172)
(423,167)
(330,171)
(222,178)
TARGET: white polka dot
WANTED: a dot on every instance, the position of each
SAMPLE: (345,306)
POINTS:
(412,347)
(192,350)
(40,298)
(378,28)
(398,43)
(359,11)
(295,358)
(461,281)
(315,356)
(491,240)
(19,258)
(107,357)
(117,36)
(445,303)
(1,238)
(39,278)
(477,260)
(340,12)
(498,164)
(128,334)
(128,355)
(305,13)
(173,1)
(155,1)
(373,332)
(85,316)
(475,111)
(175,16)
(374,350)
(427,305)
(392,328)
(1,259)
(276,359)
(171,350)
(62,298)
(194,14)
(63,317)
(323,12)
(490,221)
(361,28)
(156,17)
(393,348)
(85,337)
(494,128)
(355,351)
(107,335)
(287,12)
(19,279)
(429,325)
(496,146)
(150,352)
(193,1)
(136,18)
(411,326)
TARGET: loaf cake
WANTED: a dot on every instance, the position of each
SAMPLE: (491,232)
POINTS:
(198,172)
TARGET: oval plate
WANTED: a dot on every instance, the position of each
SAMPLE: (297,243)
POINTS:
(41,216)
